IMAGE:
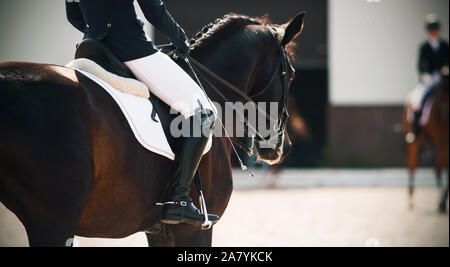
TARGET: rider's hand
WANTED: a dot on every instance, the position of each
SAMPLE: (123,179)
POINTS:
(181,42)
(177,53)
(427,79)
(445,71)
(182,49)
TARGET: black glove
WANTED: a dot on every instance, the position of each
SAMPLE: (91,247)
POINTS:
(181,43)
(182,48)
(178,54)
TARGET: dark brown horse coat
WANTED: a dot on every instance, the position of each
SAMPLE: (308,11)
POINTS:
(70,165)
(435,131)
(74,151)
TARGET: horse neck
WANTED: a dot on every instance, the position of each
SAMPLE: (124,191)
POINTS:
(442,95)
(235,64)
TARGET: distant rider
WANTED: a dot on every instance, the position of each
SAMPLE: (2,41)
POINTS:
(432,59)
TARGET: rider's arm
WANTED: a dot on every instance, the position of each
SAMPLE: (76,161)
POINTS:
(424,63)
(75,16)
(156,13)
(445,44)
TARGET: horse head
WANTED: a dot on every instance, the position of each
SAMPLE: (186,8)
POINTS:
(276,149)
(253,56)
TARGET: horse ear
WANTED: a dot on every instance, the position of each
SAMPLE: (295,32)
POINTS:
(293,28)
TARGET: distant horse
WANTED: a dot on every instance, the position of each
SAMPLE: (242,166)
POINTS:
(70,164)
(436,131)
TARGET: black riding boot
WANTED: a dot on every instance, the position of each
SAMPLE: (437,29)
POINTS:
(416,126)
(180,208)
(412,136)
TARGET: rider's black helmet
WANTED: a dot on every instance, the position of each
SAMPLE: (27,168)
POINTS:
(432,22)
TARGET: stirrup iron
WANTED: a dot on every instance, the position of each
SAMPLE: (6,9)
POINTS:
(207,224)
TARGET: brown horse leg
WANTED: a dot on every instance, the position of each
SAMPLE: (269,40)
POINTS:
(444,197)
(273,177)
(413,155)
(440,164)
(49,219)
(53,224)
(438,177)
(191,236)
(48,203)
(182,235)
(51,235)
(159,237)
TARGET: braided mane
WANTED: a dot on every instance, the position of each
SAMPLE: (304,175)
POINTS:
(214,33)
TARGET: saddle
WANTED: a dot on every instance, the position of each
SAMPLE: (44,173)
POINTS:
(112,70)
(93,50)
(96,51)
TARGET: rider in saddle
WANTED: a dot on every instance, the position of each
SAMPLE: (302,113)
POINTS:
(432,59)
(115,24)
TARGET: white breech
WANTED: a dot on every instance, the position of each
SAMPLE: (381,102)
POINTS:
(428,82)
(170,83)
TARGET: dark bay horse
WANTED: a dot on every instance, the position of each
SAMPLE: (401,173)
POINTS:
(435,131)
(70,165)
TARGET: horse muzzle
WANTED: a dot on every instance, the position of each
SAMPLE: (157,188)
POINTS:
(276,155)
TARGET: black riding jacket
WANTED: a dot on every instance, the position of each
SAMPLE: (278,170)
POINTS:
(115,23)
(430,60)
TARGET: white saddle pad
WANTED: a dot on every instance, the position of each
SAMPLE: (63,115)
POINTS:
(137,110)
(414,103)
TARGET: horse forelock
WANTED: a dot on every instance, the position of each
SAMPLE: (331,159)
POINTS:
(213,34)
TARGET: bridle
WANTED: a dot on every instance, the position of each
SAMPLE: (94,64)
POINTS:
(282,63)
(284,115)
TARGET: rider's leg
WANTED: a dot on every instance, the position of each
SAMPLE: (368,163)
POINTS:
(416,123)
(428,87)
(411,136)
(424,88)
(188,158)
(175,87)
(170,83)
